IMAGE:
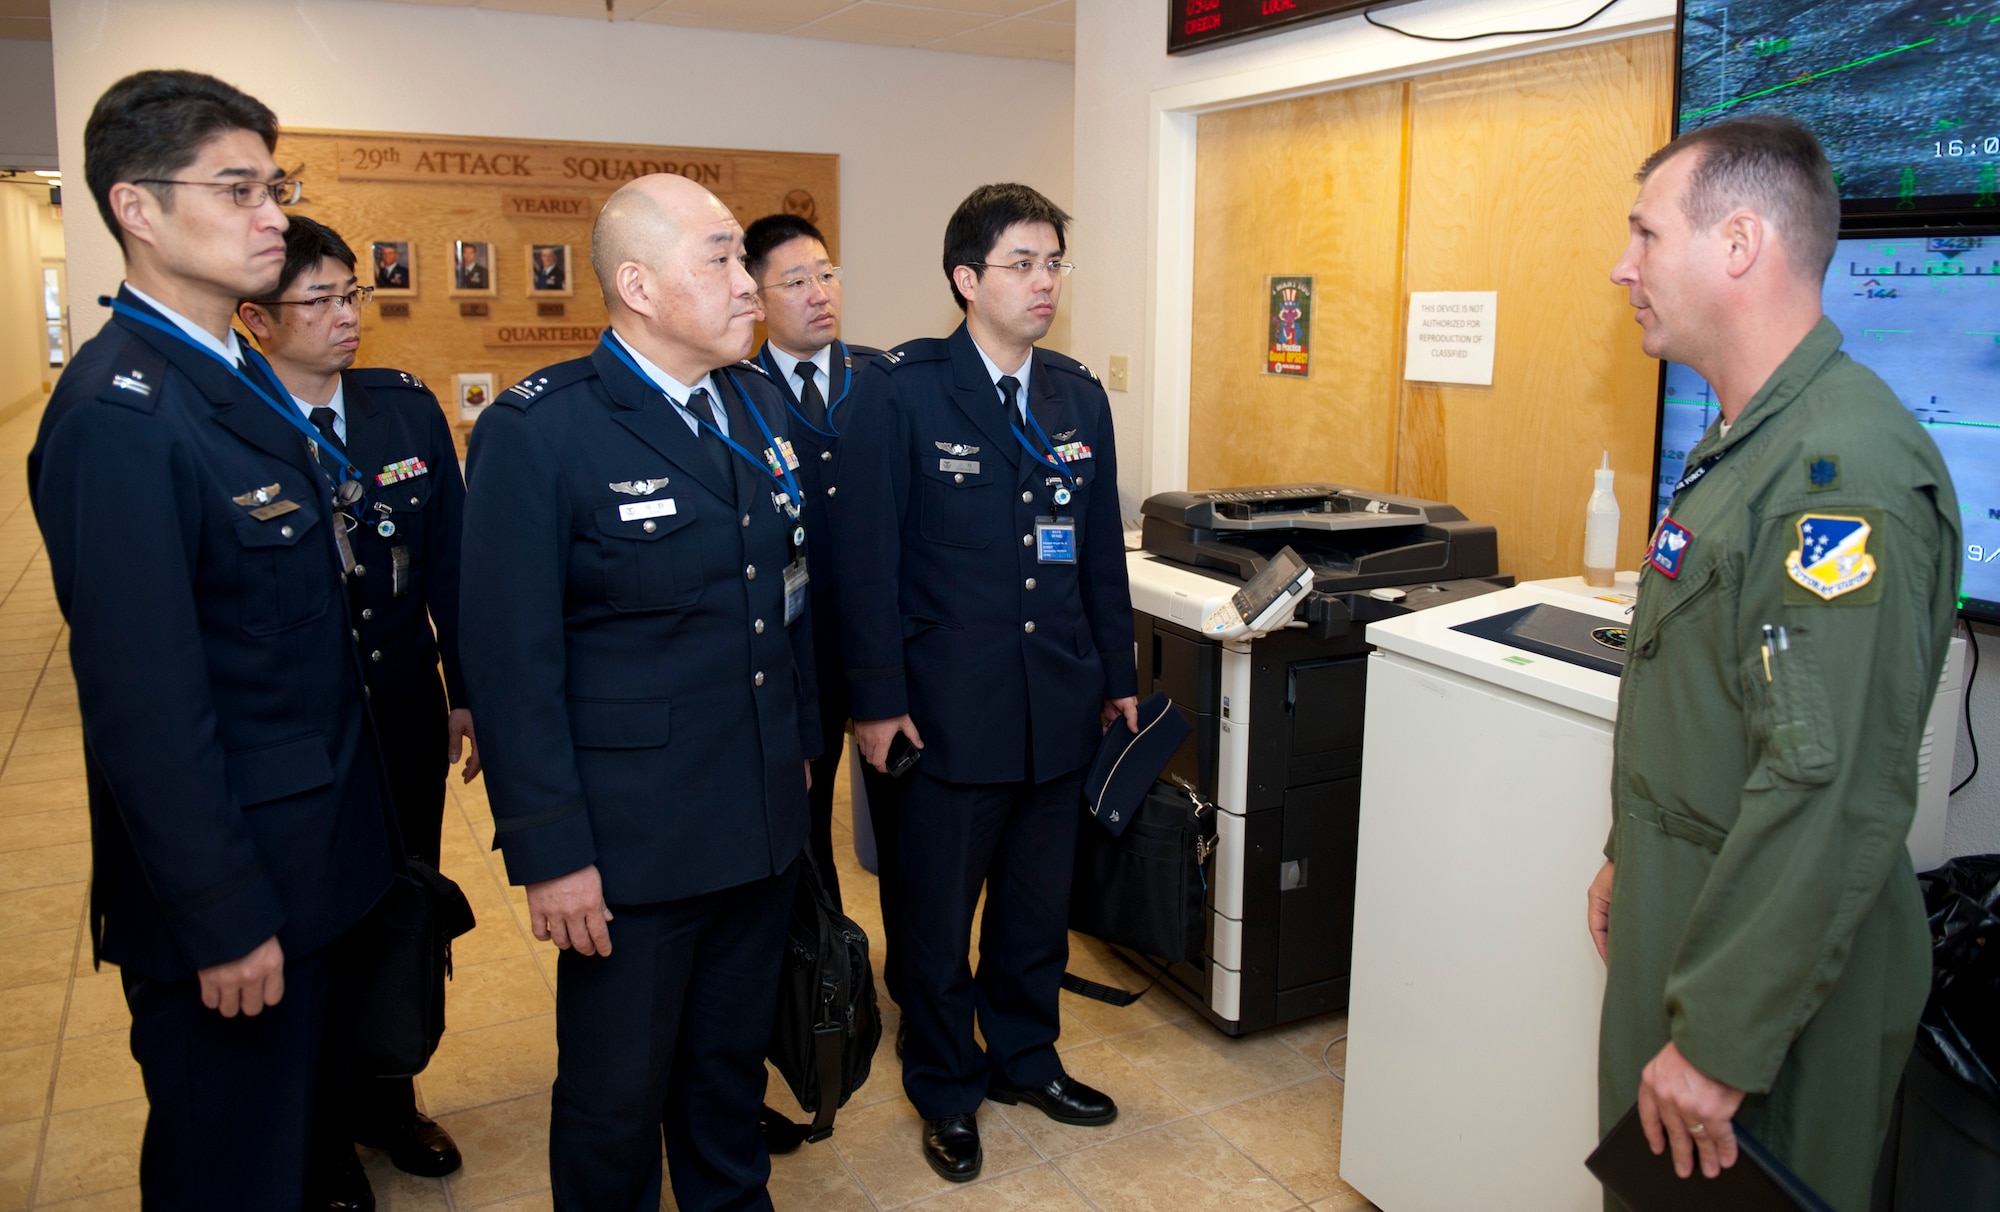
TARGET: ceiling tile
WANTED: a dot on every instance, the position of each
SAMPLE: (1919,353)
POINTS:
(902,26)
(591,9)
(742,25)
(1020,34)
(989,8)
(757,12)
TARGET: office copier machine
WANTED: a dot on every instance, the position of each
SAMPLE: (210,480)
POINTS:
(1278,719)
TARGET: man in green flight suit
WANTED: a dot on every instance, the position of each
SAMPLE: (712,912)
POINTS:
(1765,941)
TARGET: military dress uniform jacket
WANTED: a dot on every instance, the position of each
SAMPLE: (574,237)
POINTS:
(819,475)
(407,603)
(1764,915)
(945,612)
(641,703)
(235,788)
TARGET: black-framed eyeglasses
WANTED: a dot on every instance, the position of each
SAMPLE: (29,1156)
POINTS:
(243,193)
(1061,269)
(792,286)
(325,305)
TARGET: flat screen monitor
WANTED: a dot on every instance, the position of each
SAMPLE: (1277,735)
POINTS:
(1902,95)
(1921,309)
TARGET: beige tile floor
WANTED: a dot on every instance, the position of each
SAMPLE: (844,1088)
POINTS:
(1207,1122)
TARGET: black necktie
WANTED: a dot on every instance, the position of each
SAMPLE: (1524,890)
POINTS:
(322,419)
(810,399)
(711,441)
(1010,390)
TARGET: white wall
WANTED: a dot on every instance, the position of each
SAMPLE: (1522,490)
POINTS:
(23,337)
(915,130)
(1128,89)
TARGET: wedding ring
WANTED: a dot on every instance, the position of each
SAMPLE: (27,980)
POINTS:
(1698,1129)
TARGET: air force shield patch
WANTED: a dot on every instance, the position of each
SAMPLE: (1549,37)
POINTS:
(1832,558)
(1669,548)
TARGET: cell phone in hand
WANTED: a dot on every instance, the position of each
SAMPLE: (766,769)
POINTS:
(902,757)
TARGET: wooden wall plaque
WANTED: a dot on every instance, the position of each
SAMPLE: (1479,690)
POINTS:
(435,191)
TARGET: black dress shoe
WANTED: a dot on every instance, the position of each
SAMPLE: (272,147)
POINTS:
(1064,1100)
(418,1147)
(951,1146)
(781,1135)
(337,1183)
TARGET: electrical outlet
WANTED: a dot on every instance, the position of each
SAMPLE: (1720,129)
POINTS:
(1120,376)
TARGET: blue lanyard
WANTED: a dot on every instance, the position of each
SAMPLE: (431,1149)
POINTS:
(1047,454)
(291,415)
(847,364)
(795,498)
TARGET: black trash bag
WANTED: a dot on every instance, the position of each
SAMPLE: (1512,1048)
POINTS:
(1960,1028)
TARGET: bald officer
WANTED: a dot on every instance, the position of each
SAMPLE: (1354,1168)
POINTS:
(638,648)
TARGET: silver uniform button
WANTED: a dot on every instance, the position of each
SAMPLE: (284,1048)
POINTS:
(1026,497)
(826,456)
(759,679)
(830,489)
(377,654)
(746,521)
(749,572)
(355,636)
(413,500)
(650,526)
(360,571)
(1031,582)
(958,478)
(287,531)
(367,612)
(1027,540)
(758,627)
(1029,627)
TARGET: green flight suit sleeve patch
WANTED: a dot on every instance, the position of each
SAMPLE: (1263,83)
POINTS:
(1822,473)
(1832,562)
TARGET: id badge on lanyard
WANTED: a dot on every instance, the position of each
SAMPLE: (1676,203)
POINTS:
(796,580)
(1055,540)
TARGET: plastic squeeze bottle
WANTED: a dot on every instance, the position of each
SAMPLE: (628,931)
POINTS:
(1600,530)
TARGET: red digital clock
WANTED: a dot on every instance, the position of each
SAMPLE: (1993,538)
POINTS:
(1194,25)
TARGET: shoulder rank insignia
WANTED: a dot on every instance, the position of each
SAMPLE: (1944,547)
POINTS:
(402,469)
(1832,558)
(956,449)
(638,488)
(1822,473)
(528,389)
(411,379)
(257,496)
(133,383)
(892,357)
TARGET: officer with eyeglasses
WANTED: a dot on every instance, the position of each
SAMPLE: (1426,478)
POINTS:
(404,596)
(799,286)
(987,618)
(238,810)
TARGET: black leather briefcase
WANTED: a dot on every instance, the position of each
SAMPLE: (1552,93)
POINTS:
(827,1027)
(400,955)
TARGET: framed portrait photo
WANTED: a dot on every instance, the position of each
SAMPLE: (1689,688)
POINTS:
(551,272)
(473,271)
(395,265)
(475,392)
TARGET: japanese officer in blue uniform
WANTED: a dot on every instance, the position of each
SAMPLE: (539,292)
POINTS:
(985,615)
(799,287)
(638,648)
(239,815)
(404,596)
